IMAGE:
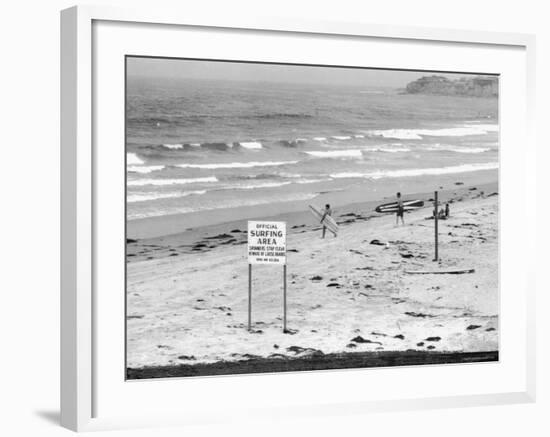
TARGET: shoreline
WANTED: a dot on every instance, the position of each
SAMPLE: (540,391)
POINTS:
(233,232)
(365,192)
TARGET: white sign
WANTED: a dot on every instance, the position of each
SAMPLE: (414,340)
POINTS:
(267,243)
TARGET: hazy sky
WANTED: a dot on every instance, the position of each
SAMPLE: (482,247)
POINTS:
(178,68)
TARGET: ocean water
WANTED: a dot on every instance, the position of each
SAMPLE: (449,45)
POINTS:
(197,145)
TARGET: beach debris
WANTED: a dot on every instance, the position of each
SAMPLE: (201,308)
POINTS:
(134,317)
(276,346)
(399,336)
(379,334)
(163,346)
(431,347)
(278,356)
(130,241)
(290,331)
(421,315)
(293,250)
(467,225)
(334,284)
(360,339)
(256,331)
(472,189)
(406,255)
(316,278)
(492,194)
(433,339)
(472,327)
(219,237)
(298,226)
(440,272)
(304,351)
(420,344)
(351,345)
(490,329)
(377,243)
(245,356)
(187,357)
(236,231)
(459,183)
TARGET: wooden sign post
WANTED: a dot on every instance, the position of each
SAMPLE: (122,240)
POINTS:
(266,245)
(436,215)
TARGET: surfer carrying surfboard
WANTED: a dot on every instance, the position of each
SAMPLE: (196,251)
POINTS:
(326,212)
(400,210)
(324,216)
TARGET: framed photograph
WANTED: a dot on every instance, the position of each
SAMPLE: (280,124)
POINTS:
(257,208)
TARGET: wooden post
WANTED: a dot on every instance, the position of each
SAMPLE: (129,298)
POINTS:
(284,298)
(249,296)
(436,211)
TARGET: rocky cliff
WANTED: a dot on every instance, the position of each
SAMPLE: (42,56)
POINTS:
(479,86)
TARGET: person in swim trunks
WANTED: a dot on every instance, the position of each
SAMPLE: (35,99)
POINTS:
(400,210)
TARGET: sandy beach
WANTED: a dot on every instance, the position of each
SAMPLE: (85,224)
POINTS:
(353,301)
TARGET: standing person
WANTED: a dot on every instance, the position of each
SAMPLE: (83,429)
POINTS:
(328,211)
(447,212)
(400,210)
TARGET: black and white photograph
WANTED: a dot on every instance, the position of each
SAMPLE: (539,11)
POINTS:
(284,217)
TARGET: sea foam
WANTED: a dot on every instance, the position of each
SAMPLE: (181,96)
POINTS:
(237,164)
(250,144)
(162,182)
(133,159)
(144,197)
(417,134)
(144,168)
(351,153)
(389,150)
(417,171)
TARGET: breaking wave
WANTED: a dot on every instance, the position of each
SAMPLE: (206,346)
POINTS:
(238,164)
(162,182)
(144,197)
(133,159)
(351,153)
(417,171)
(144,168)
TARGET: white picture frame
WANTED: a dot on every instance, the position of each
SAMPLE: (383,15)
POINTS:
(81,403)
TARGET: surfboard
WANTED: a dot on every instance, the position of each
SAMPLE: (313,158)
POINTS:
(408,205)
(328,220)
